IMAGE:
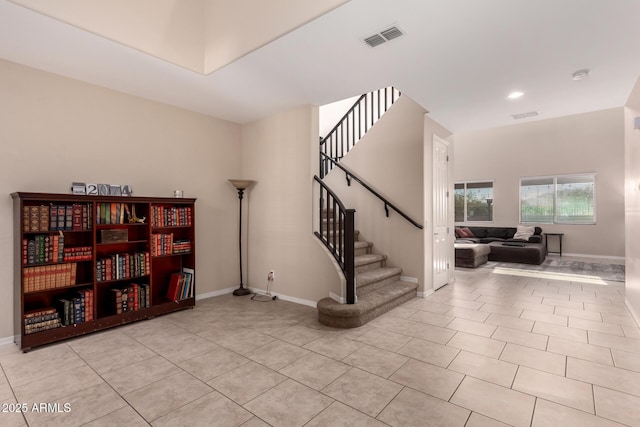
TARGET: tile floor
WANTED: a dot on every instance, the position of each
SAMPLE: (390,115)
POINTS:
(489,350)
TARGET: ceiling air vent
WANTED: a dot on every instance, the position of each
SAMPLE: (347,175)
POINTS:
(384,36)
(375,40)
(524,115)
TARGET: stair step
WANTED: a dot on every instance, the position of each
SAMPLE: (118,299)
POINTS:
(362,248)
(371,280)
(368,307)
(329,234)
(369,262)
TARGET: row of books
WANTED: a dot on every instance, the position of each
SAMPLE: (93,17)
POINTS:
(41,320)
(134,297)
(49,277)
(181,285)
(79,253)
(112,213)
(123,266)
(77,308)
(74,217)
(46,249)
(171,216)
(43,249)
(164,244)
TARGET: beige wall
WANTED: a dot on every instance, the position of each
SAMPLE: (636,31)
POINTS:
(390,159)
(55,130)
(632,201)
(280,153)
(584,143)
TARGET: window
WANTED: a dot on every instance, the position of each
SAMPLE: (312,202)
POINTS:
(473,201)
(563,199)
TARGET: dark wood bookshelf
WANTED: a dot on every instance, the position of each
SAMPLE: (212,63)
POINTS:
(160,268)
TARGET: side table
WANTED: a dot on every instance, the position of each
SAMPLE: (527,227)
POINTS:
(559,235)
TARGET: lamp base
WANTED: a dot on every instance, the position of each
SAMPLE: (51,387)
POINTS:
(241,291)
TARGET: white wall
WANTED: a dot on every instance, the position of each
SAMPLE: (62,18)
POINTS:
(280,153)
(55,130)
(632,202)
(584,143)
(331,114)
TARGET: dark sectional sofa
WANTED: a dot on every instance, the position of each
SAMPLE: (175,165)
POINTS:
(502,246)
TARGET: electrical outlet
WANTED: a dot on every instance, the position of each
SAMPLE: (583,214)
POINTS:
(272,275)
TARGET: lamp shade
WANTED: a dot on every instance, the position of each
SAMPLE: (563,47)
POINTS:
(241,184)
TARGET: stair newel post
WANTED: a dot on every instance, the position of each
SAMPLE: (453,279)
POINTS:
(349,254)
(320,159)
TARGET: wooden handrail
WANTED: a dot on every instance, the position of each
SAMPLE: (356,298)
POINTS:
(354,124)
(387,204)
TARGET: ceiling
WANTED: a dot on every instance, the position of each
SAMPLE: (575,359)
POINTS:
(459,59)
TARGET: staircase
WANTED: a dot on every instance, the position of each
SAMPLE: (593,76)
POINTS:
(378,287)
(372,288)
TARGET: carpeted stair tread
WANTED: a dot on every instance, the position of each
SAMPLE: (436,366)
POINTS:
(368,259)
(368,307)
(377,275)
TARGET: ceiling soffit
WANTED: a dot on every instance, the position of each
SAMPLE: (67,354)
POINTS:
(200,35)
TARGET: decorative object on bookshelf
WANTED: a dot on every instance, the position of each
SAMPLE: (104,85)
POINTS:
(114,236)
(78,188)
(76,253)
(178,193)
(101,189)
(134,219)
(241,185)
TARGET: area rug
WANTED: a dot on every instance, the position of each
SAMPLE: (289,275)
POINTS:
(604,271)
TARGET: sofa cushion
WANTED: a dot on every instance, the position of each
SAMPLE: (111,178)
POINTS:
(492,239)
(524,232)
(498,232)
(464,233)
(479,231)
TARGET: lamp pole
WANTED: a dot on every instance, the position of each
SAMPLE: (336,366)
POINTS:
(240,185)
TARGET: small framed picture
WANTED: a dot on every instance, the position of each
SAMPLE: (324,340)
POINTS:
(103,189)
(114,190)
(78,188)
(91,189)
(126,190)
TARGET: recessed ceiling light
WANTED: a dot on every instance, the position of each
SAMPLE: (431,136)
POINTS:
(580,74)
(515,95)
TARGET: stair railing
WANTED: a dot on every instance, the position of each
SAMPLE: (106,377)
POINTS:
(387,204)
(337,233)
(353,125)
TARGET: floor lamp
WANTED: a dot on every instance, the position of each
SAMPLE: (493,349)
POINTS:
(241,185)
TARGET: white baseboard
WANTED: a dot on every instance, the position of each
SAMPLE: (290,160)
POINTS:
(259,291)
(613,258)
(337,298)
(6,340)
(425,293)
(287,298)
(635,315)
(215,293)
(409,279)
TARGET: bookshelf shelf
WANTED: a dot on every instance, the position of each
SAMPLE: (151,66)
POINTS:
(60,288)
(128,242)
(54,301)
(170,255)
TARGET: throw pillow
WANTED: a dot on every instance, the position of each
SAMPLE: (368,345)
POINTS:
(464,233)
(523,232)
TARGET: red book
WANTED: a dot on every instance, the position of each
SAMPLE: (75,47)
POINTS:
(174,286)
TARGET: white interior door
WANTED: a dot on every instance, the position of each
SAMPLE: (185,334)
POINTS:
(441,240)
